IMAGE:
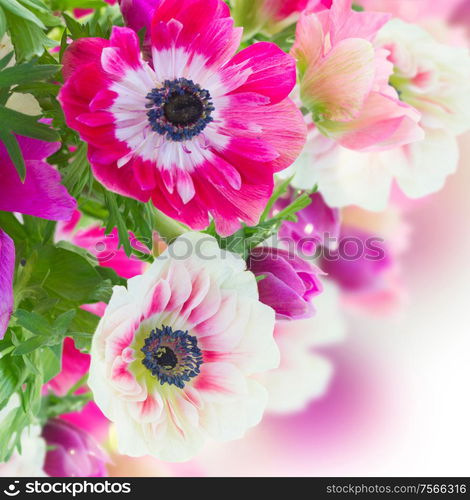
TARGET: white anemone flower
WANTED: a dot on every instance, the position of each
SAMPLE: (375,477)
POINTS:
(174,356)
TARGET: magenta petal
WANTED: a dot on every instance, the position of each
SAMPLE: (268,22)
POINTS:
(289,283)
(35,149)
(138,13)
(272,70)
(42,194)
(73,453)
(7,267)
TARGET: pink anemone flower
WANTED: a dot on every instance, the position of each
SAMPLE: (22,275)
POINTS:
(196,129)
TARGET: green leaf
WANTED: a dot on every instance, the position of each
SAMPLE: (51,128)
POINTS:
(14,151)
(11,225)
(34,323)
(84,323)
(38,89)
(116,220)
(28,39)
(51,358)
(26,125)
(22,12)
(3,23)
(280,189)
(29,345)
(81,4)
(27,73)
(77,173)
(67,274)
(12,375)
(5,60)
(63,322)
(249,237)
(76,29)
(70,403)
(10,432)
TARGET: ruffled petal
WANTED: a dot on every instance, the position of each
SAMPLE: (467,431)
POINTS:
(41,195)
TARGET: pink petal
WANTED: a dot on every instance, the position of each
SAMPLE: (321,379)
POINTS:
(148,410)
(309,41)
(384,123)
(180,283)
(126,40)
(220,379)
(346,23)
(158,298)
(337,87)
(7,268)
(195,16)
(82,52)
(120,180)
(272,71)
(41,195)
(208,307)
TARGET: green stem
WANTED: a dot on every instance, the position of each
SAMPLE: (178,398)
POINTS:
(167,228)
(83,380)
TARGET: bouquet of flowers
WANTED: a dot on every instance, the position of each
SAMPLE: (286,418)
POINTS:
(192,193)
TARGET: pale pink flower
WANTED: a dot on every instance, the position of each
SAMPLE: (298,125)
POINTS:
(344,80)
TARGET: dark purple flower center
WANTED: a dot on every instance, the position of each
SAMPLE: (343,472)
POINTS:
(183,110)
(172,356)
(179,109)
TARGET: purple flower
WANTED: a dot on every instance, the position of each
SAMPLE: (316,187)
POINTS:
(138,13)
(289,284)
(73,453)
(317,224)
(7,267)
(41,195)
(359,262)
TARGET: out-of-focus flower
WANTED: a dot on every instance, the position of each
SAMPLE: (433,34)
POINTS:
(288,285)
(271,16)
(346,177)
(367,265)
(303,374)
(433,77)
(316,225)
(359,262)
(413,11)
(30,462)
(344,80)
(41,195)
(198,129)
(174,355)
(72,452)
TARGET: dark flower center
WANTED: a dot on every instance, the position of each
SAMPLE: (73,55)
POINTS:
(166,358)
(179,109)
(182,110)
(173,357)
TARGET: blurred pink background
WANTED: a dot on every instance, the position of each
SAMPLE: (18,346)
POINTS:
(398,403)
